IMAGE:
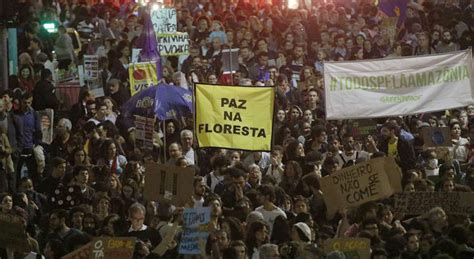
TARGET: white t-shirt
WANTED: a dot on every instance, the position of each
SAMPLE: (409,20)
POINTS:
(214,180)
(270,216)
(342,158)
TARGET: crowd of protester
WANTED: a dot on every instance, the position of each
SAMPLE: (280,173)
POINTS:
(89,181)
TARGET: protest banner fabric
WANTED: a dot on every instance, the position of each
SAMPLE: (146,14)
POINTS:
(436,137)
(13,233)
(401,86)
(369,181)
(417,203)
(173,44)
(234,117)
(353,248)
(142,76)
(169,183)
(193,219)
(164,20)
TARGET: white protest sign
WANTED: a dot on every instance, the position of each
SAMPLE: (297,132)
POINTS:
(173,44)
(402,86)
(164,20)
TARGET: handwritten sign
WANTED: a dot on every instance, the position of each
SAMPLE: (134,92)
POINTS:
(360,129)
(173,44)
(92,75)
(144,129)
(83,252)
(164,20)
(417,203)
(353,248)
(169,183)
(190,241)
(116,247)
(13,233)
(194,218)
(436,137)
(369,181)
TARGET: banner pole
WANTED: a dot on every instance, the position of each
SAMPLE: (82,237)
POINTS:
(164,141)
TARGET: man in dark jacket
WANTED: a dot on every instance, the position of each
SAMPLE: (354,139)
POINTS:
(44,96)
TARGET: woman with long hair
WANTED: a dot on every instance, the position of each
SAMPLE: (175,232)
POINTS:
(291,178)
(257,235)
(26,80)
(114,161)
(114,185)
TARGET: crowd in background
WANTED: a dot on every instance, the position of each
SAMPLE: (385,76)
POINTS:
(89,181)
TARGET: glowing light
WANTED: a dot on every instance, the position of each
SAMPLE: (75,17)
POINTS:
(293,4)
(155,7)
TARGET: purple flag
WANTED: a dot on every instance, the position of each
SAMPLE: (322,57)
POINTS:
(149,45)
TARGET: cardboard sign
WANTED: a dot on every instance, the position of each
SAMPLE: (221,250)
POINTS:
(164,20)
(190,241)
(173,44)
(92,76)
(46,123)
(436,137)
(114,247)
(369,181)
(169,183)
(230,60)
(105,247)
(417,203)
(83,252)
(236,117)
(194,218)
(13,233)
(360,129)
(353,248)
(142,76)
(144,129)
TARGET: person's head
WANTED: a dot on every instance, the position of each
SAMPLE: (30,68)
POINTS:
(223,239)
(319,134)
(77,215)
(59,167)
(240,249)
(113,183)
(6,202)
(298,51)
(199,186)
(123,49)
(413,243)
(26,72)
(175,151)
(239,178)
(437,218)
(390,130)
(269,251)
(301,232)
(220,163)
(136,215)
(101,110)
(262,58)
(58,219)
(215,203)
(81,175)
(292,171)
(447,37)
(446,185)
(265,193)
(54,249)
(26,100)
(455,130)
(113,85)
(186,139)
(370,225)
(255,175)
(26,185)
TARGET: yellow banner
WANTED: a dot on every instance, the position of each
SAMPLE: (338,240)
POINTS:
(142,76)
(235,117)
